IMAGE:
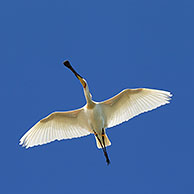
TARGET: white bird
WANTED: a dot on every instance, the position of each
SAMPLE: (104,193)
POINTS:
(94,117)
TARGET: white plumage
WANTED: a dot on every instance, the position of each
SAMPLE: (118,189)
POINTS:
(132,102)
(94,117)
(57,126)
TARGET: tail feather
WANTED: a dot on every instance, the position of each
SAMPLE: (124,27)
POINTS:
(106,141)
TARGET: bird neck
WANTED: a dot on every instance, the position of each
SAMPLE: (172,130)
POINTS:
(90,103)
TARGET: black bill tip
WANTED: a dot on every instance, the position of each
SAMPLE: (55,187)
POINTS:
(67,64)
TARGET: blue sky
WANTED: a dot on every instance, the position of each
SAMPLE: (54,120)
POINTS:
(114,45)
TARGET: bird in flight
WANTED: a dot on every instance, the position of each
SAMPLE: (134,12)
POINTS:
(94,117)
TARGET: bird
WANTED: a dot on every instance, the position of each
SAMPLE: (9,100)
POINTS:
(94,117)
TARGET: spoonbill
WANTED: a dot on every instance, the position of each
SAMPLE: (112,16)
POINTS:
(94,117)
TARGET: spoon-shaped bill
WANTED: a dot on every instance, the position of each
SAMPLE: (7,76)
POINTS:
(68,65)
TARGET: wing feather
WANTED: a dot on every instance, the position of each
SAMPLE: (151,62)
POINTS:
(56,126)
(132,102)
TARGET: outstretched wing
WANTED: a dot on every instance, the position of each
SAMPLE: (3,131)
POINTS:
(132,102)
(56,126)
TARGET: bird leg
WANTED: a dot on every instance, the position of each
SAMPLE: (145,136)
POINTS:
(103,148)
(103,135)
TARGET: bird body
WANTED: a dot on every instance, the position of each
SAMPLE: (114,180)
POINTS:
(94,117)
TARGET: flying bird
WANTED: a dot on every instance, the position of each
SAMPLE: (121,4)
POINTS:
(94,117)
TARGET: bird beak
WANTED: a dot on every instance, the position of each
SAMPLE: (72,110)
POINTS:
(81,80)
(68,65)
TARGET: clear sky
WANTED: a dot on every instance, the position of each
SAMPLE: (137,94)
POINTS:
(114,45)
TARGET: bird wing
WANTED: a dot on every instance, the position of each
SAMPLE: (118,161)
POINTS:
(132,102)
(56,126)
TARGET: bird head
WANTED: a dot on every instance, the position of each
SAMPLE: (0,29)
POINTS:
(79,77)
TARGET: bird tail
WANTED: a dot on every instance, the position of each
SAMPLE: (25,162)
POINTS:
(106,141)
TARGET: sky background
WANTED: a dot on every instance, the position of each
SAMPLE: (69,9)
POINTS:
(114,45)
